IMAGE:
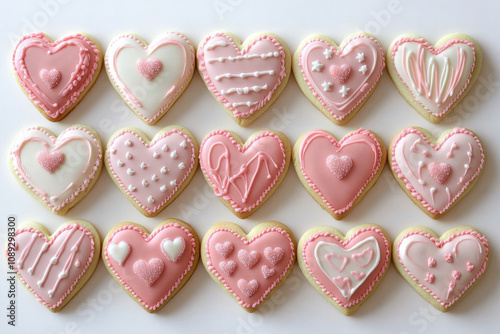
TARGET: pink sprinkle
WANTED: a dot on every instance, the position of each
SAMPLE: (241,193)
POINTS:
(452,285)
(50,161)
(274,255)
(150,271)
(149,67)
(224,249)
(431,262)
(456,274)
(248,288)
(448,257)
(429,277)
(340,73)
(470,267)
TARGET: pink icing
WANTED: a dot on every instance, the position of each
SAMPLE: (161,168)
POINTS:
(70,244)
(50,160)
(248,285)
(242,175)
(145,248)
(166,162)
(439,172)
(436,196)
(48,141)
(444,100)
(218,55)
(339,166)
(149,271)
(75,57)
(267,272)
(450,279)
(149,67)
(274,255)
(339,193)
(228,267)
(330,285)
(336,69)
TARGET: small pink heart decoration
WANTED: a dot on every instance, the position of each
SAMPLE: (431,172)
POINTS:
(51,78)
(339,166)
(149,271)
(340,73)
(439,171)
(149,67)
(50,160)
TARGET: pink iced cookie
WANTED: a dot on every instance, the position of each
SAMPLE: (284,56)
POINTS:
(246,78)
(338,79)
(436,174)
(151,268)
(434,79)
(57,171)
(55,267)
(152,173)
(345,269)
(441,269)
(56,75)
(244,176)
(249,267)
(338,174)
(150,78)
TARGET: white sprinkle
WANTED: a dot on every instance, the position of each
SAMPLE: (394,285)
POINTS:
(131,188)
(130,171)
(154,177)
(181,165)
(422,182)
(128,155)
(173,154)
(156,155)
(120,163)
(145,183)
(173,183)
(143,165)
(164,148)
(112,150)
(466,166)
(183,144)
(151,199)
(128,143)
(163,188)
(163,170)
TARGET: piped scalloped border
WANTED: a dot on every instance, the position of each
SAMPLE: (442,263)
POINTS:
(176,93)
(148,145)
(50,242)
(203,68)
(395,167)
(440,244)
(343,243)
(339,143)
(339,52)
(147,238)
(435,52)
(74,96)
(242,149)
(247,241)
(84,185)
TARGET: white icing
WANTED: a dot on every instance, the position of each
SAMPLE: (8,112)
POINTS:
(173,155)
(156,155)
(163,170)
(127,143)
(183,144)
(174,249)
(130,171)
(248,104)
(143,165)
(182,166)
(119,252)
(154,177)
(344,90)
(326,86)
(243,90)
(363,69)
(316,66)
(128,155)
(145,183)
(324,248)
(131,188)
(242,75)
(120,163)
(173,183)
(112,150)
(328,53)
(151,199)
(360,57)
(163,188)
(247,56)
(150,97)
(215,44)
(164,148)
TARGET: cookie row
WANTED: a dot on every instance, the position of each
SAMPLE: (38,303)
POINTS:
(152,268)
(60,171)
(246,78)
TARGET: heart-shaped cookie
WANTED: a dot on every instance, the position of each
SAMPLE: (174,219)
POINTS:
(55,267)
(57,171)
(244,176)
(344,269)
(249,267)
(55,76)
(150,78)
(152,173)
(338,79)
(338,174)
(245,78)
(436,174)
(441,269)
(434,79)
(147,268)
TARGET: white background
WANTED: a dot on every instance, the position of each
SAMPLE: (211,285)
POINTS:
(202,306)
